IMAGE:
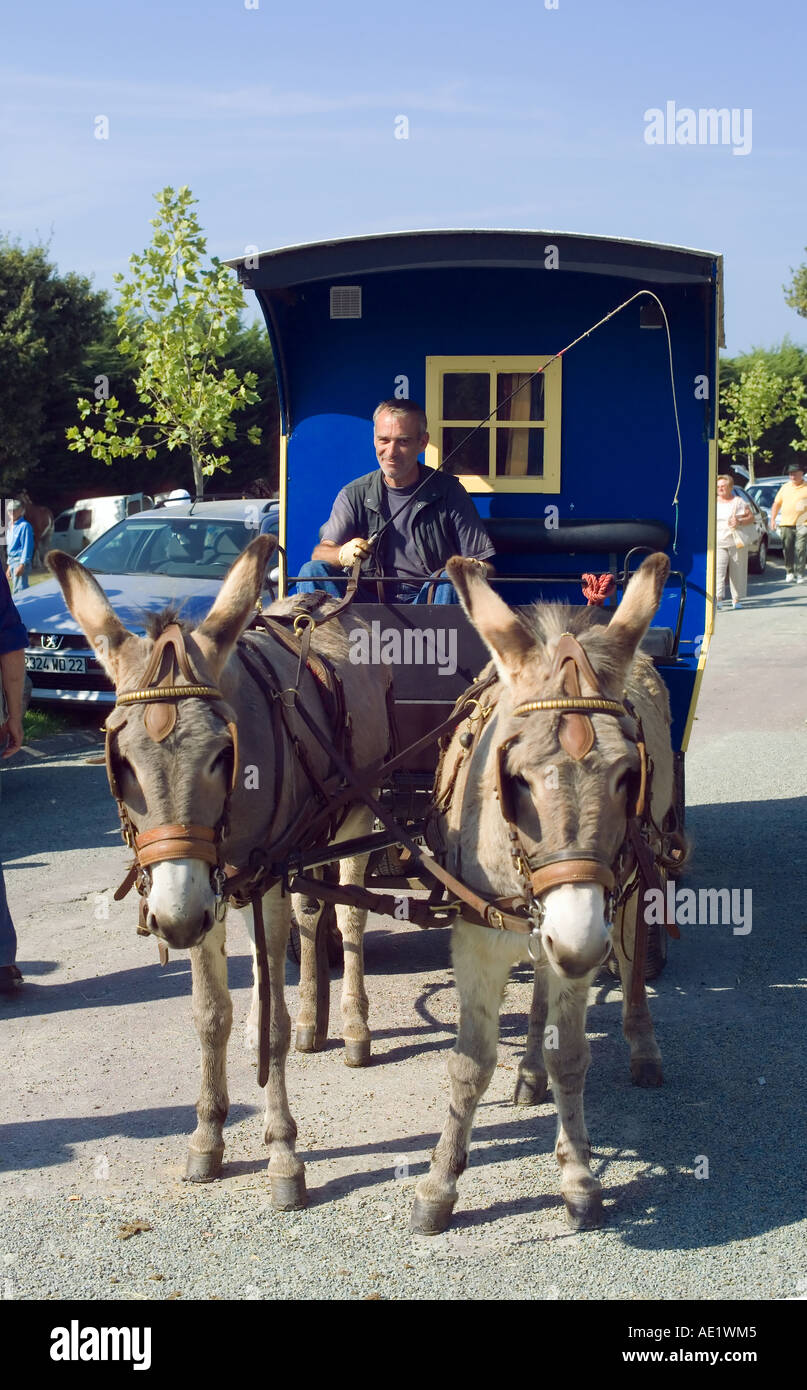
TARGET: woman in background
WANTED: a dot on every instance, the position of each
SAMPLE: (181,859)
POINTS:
(732,552)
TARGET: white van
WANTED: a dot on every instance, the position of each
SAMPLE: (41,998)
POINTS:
(91,517)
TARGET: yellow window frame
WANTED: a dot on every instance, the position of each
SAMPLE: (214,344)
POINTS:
(437,367)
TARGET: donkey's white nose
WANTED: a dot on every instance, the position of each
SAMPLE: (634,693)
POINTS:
(575,934)
(181,902)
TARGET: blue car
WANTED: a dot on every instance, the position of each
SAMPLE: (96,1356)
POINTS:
(175,555)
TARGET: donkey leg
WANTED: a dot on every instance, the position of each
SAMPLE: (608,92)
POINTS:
(354,1003)
(482,960)
(531,1081)
(286,1170)
(567,1064)
(637,1025)
(213,1015)
(311,1032)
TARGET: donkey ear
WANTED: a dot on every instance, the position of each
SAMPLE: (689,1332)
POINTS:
(508,639)
(92,611)
(641,599)
(218,633)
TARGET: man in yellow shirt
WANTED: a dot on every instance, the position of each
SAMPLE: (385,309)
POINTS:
(791,501)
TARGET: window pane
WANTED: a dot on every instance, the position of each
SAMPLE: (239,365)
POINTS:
(83,519)
(466,395)
(528,401)
(519,453)
(472,457)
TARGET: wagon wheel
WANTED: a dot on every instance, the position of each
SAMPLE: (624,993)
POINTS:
(333,937)
(675,820)
(657,940)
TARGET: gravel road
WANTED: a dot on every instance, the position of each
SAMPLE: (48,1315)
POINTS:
(101,1070)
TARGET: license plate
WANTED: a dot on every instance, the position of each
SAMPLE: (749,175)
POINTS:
(58,665)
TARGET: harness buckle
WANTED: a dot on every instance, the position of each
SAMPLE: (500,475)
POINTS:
(534,938)
(302,622)
(218,880)
(495,918)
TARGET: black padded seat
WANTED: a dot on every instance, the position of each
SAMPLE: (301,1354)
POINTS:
(658,642)
(517,535)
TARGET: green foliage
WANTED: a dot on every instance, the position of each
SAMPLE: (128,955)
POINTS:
(45,321)
(761,395)
(796,291)
(176,321)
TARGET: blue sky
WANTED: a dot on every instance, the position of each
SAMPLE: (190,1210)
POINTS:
(281,120)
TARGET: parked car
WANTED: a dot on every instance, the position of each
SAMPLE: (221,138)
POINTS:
(160,558)
(758,549)
(83,523)
(763,492)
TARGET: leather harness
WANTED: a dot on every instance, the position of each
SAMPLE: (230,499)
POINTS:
(161,688)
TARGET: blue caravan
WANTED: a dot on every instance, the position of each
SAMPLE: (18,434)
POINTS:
(585,436)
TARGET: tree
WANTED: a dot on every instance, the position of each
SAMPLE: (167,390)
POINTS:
(175,320)
(46,319)
(796,292)
(750,405)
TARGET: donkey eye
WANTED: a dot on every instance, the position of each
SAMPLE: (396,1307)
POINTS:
(219,759)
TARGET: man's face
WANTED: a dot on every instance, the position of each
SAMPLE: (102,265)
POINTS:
(797,477)
(397,445)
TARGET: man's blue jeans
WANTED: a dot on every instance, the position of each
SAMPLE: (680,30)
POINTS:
(8,936)
(19,581)
(317,575)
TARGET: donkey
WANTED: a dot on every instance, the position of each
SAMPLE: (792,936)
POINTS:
(175,764)
(545,796)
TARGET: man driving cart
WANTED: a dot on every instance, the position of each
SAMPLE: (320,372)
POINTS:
(406,518)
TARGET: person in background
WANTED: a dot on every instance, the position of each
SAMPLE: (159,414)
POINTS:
(13,640)
(791,501)
(733,513)
(19,548)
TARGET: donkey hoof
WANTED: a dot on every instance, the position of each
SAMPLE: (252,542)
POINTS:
(305,1038)
(357,1052)
(288,1194)
(431,1218)
(530,1089)
(203,1167)
(645,1071)
(584,1213)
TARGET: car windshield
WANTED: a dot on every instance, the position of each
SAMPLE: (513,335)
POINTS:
(764,493)
(189,547)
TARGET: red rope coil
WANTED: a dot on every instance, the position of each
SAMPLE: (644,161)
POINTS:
(597,588)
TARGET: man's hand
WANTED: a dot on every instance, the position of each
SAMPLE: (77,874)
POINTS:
(12,730)
(350,549)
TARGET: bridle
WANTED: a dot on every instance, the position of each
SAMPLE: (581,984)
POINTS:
(160,692)
(577,737)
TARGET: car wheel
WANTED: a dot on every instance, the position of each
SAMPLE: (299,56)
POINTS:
(757,562)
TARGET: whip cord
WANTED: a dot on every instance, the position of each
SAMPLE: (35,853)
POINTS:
(540,372)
